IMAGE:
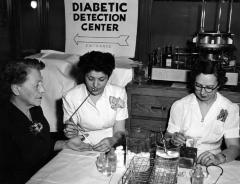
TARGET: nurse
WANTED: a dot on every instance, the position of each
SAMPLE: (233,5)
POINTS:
(96,108)
(206,117)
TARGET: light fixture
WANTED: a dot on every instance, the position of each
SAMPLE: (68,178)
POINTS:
(34,4)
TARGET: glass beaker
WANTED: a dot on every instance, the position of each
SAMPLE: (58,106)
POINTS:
(166,166)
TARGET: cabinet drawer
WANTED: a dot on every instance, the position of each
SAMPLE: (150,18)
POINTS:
(151,106)
(152,125)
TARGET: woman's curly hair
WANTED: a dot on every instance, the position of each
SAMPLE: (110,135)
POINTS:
(95,60)
(15,72)
(208,67)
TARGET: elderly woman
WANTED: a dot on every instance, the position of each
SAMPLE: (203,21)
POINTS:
(207,117)
(98,108)
(25,143)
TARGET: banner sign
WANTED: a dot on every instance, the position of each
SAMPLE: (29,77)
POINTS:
(103,25)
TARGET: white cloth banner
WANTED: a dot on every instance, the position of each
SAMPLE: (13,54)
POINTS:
(106,25)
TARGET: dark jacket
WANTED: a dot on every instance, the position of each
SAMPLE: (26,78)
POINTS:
(22,150)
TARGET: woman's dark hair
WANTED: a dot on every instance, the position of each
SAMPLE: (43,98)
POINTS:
(95,60)
(208,67)
(15,72)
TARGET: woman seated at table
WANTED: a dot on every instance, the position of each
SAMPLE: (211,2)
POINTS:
(207,117)
(25,143)
(98,108)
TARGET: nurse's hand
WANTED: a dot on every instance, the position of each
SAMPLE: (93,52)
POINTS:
(71,129)
(207,158)
(178,139)
(105,144)
(77,144)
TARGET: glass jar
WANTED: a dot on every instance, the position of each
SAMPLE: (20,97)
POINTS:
(166,166)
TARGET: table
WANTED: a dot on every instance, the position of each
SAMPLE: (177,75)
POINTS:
(230,174)
(72,167)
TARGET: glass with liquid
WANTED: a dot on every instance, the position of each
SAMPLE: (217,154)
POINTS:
(101,162)
(106,163)
(166,166)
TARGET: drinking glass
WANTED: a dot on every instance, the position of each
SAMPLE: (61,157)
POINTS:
(101,162)
(107,168)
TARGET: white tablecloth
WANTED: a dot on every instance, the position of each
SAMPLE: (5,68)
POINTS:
(71,167)
(57,79)
(231,174)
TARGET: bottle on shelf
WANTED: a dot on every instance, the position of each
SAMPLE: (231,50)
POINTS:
(168,56)
(150,65)
(175,60)
(155,57)
(159,57)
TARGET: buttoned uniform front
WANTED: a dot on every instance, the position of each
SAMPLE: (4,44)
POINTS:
(185,117)
(100,116)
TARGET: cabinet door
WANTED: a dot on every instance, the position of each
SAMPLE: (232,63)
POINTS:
(151,106)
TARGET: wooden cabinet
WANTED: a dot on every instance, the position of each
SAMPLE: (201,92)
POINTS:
(149,104)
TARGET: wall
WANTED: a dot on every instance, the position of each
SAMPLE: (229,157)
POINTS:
(30,29)
(4,33)
(56,25)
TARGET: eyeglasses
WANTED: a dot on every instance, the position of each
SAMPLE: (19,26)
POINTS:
(208,89)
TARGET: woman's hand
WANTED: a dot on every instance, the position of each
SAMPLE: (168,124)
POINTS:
(105,144)
(178,139)
(77,144)
(71,129)
(207,158)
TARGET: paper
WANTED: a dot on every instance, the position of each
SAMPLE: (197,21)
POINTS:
(96,136)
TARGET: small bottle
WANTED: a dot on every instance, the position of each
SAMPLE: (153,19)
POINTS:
(120,157)
(169,56)
(112,160)
(155,57)
(160,57)
(150,65)
(197,175)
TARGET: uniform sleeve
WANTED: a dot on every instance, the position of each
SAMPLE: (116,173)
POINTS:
(175,119)
(122,113)
(232,122)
